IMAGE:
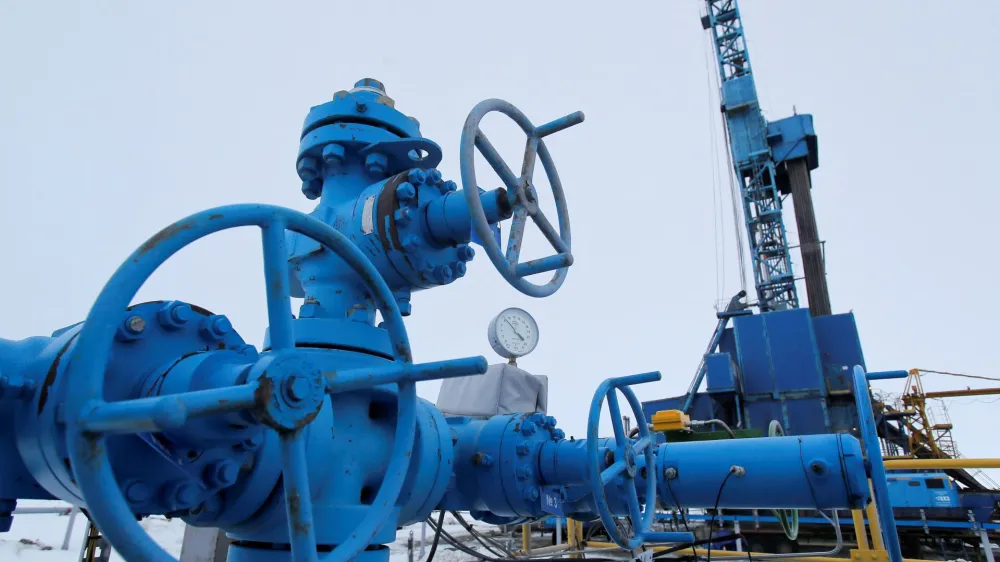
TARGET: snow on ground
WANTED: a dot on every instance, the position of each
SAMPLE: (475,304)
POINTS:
(38,537)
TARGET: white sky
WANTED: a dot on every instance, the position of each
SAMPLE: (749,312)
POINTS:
(120,119)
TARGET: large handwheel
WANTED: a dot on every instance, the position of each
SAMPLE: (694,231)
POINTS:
(283,391)
(624,463)
(522,196)
(787,518)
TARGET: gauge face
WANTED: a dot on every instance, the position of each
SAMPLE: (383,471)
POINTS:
(513,333)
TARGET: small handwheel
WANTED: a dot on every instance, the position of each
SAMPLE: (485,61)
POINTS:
(286,395)
(522,196)
(788,518)
(624,460)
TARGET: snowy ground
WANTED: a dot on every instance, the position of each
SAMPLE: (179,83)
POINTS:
(38,538)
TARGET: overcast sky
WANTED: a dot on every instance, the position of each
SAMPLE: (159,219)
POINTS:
(120,119)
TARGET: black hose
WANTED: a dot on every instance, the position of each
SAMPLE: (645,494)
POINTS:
(715,510)
(678,505)
(455,543)
(437,537)
(479,537)
(700,542)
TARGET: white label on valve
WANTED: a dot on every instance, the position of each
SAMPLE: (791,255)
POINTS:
(368,216)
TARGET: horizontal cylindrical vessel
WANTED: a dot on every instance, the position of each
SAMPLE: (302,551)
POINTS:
(795,472)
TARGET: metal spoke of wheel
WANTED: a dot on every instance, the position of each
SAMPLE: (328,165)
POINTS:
(496,161)
(298,501)
(516,234)
(279,301)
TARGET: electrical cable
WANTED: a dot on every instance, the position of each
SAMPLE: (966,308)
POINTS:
(437,536)
(471,552)
(678,505)
(718,422)
(679,547)
(835,521)
(922,371)
(480,537)
(715,510)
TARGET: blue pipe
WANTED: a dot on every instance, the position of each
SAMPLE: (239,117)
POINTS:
(885,375)
(873,449)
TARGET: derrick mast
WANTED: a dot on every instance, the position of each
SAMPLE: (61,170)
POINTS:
(769,160)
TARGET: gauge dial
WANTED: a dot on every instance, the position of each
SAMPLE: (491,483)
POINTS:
(513,333)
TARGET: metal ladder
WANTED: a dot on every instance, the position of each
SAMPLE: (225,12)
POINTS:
(95,547)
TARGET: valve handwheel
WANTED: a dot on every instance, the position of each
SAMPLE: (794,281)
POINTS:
(522,196)
(624,462)
(788,518)
(293,392)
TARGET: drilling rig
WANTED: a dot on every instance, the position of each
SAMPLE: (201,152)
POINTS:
(788,369)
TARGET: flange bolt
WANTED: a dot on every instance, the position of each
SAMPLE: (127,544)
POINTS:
(215,327)
(333,154)
(132,328)
(307,168)
(465,252)
(405,191)
(222,474)
(416,176)
(527,427)
(376,163)
(174,315)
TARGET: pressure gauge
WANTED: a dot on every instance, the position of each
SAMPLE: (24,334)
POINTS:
(513,333)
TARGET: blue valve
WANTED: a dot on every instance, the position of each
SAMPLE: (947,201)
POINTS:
(282,390)
(522,197)
(622,463)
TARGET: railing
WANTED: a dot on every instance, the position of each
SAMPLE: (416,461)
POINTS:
(70,510)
